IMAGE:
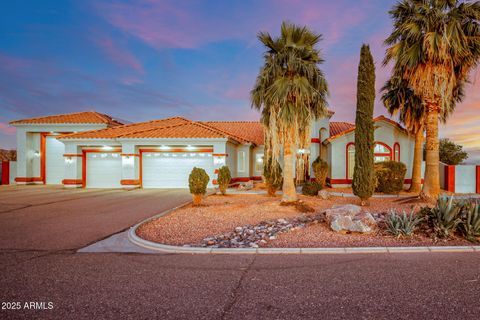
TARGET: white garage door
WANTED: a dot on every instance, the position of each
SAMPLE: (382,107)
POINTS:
(171,170)
(54,161)
(104,170)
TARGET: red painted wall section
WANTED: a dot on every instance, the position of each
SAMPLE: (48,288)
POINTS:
(478,179)
(5,172)
(450,178)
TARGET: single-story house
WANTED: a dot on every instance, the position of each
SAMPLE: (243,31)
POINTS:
(93,150)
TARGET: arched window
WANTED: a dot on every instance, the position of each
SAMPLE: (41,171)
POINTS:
(350,160)
(396,152)
(382,152)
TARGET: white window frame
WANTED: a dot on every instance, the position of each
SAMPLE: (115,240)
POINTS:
(241,162)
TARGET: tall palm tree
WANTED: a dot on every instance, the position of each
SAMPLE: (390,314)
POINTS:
(399,98)
(290,91)
(434,45)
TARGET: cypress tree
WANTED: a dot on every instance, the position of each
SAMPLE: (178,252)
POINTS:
(364,175)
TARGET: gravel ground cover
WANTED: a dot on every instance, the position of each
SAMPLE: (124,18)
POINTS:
(221,214)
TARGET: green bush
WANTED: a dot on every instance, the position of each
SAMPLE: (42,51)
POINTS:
(311,188)
(402,224)
(223,179)
(198,181)
(444,217)
(320,169)
(390,176)
(470,224)
(273,176)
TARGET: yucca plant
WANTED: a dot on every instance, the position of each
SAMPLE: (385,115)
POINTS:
(402,224)
(470,225)
(445,216)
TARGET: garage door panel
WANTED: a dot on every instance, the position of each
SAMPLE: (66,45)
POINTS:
(172,171)
(104,170)
(54,161)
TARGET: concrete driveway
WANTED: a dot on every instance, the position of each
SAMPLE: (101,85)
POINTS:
(54,218)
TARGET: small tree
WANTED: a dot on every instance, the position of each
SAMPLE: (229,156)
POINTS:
(273,176)
(320,168)
(363,174)
(451,153)
(223,179)
(197,182)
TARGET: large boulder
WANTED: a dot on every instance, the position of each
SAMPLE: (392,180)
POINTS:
(350,218)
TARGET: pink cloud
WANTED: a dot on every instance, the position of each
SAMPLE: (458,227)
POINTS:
(119,54)
(6,129)
(177,24)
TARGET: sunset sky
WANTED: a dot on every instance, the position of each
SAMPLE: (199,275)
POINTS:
(143,60)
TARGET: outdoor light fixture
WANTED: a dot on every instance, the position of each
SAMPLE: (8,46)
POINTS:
(114,155)
(303,151)
(190,147)
(164,148)
(68,160)
(107,148)
(219,160)
(36,153)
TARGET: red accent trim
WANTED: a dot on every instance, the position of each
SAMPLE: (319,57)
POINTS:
(315,140)
(130,155)
(340,181)
(395,146)
(72,155)
(115,150)
(43,159)
(28,179)
(72,181)
(220,154)
(129,182)
(450,178)
(177,150)
(478,179)
(5,172)
(409,181)
(216,171)
(140,170)
(214,181)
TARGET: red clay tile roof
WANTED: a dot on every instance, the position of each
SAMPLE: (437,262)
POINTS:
(342,128)
(339,127)
(183,130)
(250,131)
(72,118)
(119,131)
(8,155)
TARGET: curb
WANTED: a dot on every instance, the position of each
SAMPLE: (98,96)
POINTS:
(165,248)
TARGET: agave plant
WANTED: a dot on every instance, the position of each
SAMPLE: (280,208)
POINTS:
(470,225)
(445,216)
(403,224)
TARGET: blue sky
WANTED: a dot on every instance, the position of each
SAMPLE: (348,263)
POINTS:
(142,60)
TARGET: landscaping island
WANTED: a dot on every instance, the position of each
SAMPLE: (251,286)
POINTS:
(254,220)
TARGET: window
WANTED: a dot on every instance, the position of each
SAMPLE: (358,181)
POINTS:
(350,160)
(396,152)
(382,152)
(259,162)
(241,161)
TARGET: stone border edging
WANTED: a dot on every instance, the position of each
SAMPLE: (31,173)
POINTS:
(165,248)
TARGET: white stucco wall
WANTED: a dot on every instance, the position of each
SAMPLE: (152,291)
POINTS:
(28,144)
(465,179)
(231,160)
(385,133)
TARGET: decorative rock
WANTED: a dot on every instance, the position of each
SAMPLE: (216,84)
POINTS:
(350,218)
(246,186)
(324,194)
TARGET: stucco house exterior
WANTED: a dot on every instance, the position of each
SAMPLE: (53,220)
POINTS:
(93,150)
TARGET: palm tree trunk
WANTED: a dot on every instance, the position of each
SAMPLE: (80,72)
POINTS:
(431,186)
(416,185)
(289,191)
